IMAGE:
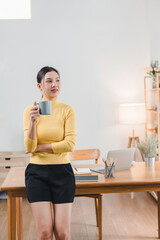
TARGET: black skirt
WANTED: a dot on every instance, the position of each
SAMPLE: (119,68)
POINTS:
(54,183)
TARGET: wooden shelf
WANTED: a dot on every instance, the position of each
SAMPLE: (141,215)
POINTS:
(151,130)
(151,110)
(152,99)
(152,90)
(151,69)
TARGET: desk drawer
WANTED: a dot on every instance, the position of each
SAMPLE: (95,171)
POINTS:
(13,162)
(11,159)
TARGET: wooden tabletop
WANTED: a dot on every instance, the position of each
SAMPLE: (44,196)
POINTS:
(138,174)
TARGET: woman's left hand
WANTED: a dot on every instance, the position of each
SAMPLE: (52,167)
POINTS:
(43,148)
(37,149)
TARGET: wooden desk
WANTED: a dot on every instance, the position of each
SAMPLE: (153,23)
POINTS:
(138,179)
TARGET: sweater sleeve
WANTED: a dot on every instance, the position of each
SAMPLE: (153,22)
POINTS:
(29,143)
(69,141)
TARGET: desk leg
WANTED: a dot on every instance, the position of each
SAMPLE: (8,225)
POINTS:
(19,218)
(11,205)
(158,214)
(100,216)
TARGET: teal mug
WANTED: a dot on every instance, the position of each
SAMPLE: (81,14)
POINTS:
(45,107)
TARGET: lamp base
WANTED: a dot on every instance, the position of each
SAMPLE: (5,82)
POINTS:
(131,142)
(132,139)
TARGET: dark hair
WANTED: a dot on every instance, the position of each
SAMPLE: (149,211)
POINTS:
(43,72)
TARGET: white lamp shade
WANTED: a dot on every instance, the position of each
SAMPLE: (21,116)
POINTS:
(15,9)
(132,113)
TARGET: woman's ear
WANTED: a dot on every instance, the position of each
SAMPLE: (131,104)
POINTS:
(39,86)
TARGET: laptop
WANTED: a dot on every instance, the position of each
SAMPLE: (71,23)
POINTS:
(123,159)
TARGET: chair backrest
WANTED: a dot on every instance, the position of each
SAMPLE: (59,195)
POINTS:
(85,154)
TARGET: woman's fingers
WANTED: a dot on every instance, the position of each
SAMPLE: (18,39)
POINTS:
(34,112)
(34,108)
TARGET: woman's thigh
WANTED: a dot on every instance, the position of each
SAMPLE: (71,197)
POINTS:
(43,215)
(62,216)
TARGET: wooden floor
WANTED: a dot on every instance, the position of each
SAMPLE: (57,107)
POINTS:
(123,218)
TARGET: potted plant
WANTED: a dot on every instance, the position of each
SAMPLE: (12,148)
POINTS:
(152,73)
(148,148)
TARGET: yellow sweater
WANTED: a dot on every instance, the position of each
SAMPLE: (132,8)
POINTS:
(59,129)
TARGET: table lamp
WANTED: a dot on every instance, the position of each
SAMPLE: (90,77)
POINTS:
(132,114)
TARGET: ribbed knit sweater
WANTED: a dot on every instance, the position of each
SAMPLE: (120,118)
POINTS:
(59,129)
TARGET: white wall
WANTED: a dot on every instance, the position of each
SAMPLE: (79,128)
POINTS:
(100,48)
(154,30)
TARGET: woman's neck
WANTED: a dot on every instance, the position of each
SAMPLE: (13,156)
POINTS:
(48,99)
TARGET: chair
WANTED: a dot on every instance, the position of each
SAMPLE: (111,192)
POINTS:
(90,154)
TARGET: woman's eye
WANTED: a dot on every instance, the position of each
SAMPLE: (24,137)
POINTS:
(49,81)
(57,80)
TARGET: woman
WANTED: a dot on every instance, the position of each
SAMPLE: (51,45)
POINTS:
(49,176)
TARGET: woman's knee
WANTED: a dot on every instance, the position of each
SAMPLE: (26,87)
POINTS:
(63,233)
(45,233)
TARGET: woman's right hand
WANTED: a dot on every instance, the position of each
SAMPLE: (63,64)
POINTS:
(34,113)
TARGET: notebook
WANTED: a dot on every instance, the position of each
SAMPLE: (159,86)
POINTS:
(82,171)
(87,178)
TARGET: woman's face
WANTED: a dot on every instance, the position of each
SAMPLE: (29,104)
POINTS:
(50,85)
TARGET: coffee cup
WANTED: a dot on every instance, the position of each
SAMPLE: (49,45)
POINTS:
(45,107)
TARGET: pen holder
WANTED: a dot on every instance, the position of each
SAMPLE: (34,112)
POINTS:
(109,171)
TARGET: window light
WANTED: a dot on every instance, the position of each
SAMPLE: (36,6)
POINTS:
(15,9)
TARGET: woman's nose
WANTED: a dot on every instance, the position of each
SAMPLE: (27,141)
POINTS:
(53,83)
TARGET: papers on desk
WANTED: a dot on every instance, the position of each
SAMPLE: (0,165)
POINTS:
(82,171)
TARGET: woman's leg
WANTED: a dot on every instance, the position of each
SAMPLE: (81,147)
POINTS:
(62,221)
(43,219)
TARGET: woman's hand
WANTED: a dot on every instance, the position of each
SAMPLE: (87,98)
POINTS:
(37,149)
(34,113)
(43,148)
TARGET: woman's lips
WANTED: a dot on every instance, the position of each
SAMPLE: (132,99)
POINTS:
(54,90)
